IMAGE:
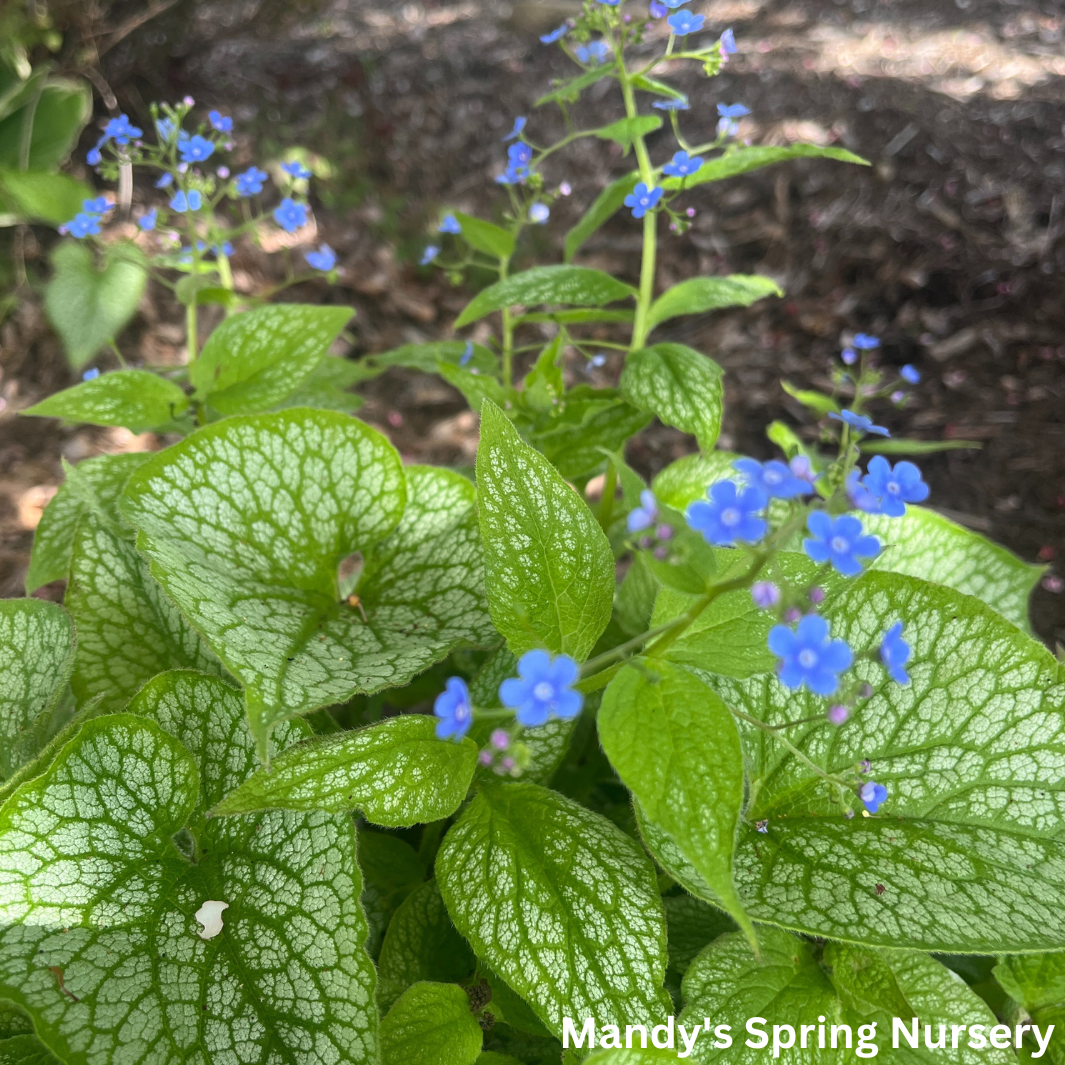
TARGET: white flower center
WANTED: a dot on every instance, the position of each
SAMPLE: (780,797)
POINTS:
(730,516)
(773,477)
(807,658)
(893,488)
(543,691)
(840,544)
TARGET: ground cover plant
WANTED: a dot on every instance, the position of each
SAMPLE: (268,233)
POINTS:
(802,759)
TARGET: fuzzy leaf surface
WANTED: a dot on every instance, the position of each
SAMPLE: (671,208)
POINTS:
(135,399)
(431,1024)
(699,294)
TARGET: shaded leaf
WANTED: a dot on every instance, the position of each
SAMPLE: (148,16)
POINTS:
(699,294)
(431,1024)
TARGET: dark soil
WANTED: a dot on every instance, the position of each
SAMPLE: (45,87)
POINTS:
(950,246)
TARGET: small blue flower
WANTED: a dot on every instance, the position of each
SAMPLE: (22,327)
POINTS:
(323,259)
(196,149)
(519,155)
(849,356)
(97,205)
(165,181)
(728,43)
(296,170)
(684,22)
(732,110)
(513,175)
(859,422)
(539,213)
(859,495)
(555,35)
(519,126)
(290,215)
(894,488)
(222,123)
(90,375)
(865,342)
(82,225)
(841,541)
(765,594)
(910,374)
(449,224)
(93,157)
(121,131)
(542,688)
(643,516)
(642,199)
(674,3)
(774,478)
(729,515)
(182,203)
(610,3)
(873,795)
(453,711)
(225,249)
(679,103)
(895,653)
(809,656)
(251,181)
(594,52)
(682,165)
(166,128)
(148,220)
(467,354)
(430,253)
(597,360)
(658,9)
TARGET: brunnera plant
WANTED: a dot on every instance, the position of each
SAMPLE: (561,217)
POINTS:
(803,749)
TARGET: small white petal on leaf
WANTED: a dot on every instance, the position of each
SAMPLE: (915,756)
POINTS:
(210,916)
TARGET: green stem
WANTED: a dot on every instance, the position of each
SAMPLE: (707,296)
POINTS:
(508,332)
(118,354)
(785,742)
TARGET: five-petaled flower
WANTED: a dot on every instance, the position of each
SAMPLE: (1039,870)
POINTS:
(222,123)
(808,656)
(729,515)
(773,477)
(181,203)
(323,259)
(453,711)
(290,215)
(296,169)
(555,35)
(196,149)
(841,541)
(684,22)
(121,131)
(895,653)
(251,181)
(82,225)
(542,688)
(858,422)
(594,52)
(682,164)
(642,199)
(873,795)
(449,224)
(677,103)
(643,516)
(894,488)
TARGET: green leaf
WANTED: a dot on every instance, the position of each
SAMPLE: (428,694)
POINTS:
(397,772)
(392,870)
(36,657)
(514,871)
(741,160)
(635,597)
(679,385)
(475,387)
(626,130)
(549,570)
(633,1056)
(691,924)
(286,973)
(485,236)
(245,524)
(421,944)
(18,1044)
(426,357)
(968,853)
(576,286)
(699,294)
(431,1024)
(42,196)
(88,307)
(675,746)
(570,91)
(136,399)
(924,544)
(686,480)
(326,387)
(61,112)
(901,446)
(575,317)
(254,360)
(815,401)
(1032,980)
(101,480)
(689,568)
(606,204)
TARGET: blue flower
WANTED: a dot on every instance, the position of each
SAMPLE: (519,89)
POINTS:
(728,43)
(290,215)
(774,478)
(610,3)
(894,488)
(841,541)
(873,795)
(643,516)
(82,225)
(182,203)
(594,52)
(642,199)
(542,688)
(166,128)
(859,495)
(225,249)
(910,374)
(539,213)
(90,375)
(195,149)
(94,157)
(453,711)
(895,653)
(147,221)
(849,356)
(519,126)
(297,170)
(97,205)
(467,353)
(682,165)
(251,181)
(519,155)
(165,181)
(859,422)
(220,122)
(323,259)
(674,3)
(430,253)
(121,131)
(729,515)
(808,655)
(684,22)
(555,35)
(865,342)
(658,9)
(449,224)
(679,103)
(732,110)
